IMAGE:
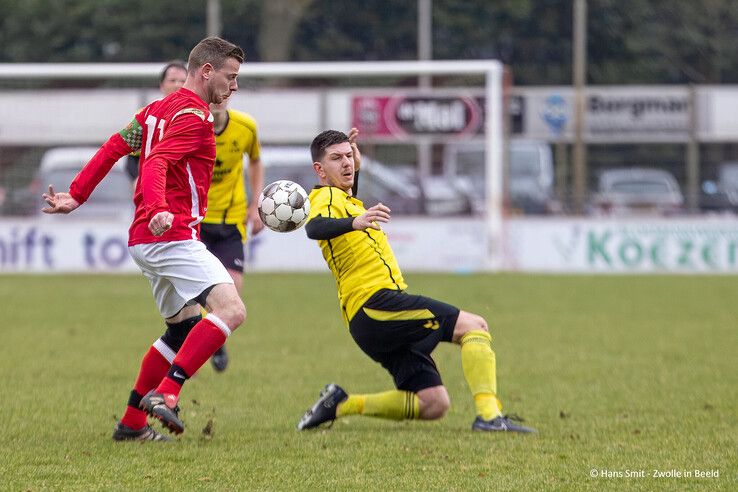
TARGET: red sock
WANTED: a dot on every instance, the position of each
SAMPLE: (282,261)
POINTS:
(154,367)
(202,342)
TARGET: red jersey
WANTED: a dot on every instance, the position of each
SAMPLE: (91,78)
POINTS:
(177,142)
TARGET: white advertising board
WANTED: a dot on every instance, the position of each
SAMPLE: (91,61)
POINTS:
(719,105)
(622,246)
(702,246)
(611,114)
(65,117)
(62,244)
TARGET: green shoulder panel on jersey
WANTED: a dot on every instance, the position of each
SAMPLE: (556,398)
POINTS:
(132,134)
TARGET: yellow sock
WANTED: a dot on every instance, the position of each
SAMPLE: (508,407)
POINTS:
(353,405)
(478,362)
(394,404)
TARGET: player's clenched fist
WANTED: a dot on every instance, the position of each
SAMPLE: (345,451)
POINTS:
(161,223)
(369,219)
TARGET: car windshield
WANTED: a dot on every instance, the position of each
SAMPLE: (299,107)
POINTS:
(302,175)
(729,176)
(377,183)
(115,188)
(471,164)
(640,187)
(525,163)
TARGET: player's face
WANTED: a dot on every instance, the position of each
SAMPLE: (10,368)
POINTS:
(222,82)
(173,80)
(336,168)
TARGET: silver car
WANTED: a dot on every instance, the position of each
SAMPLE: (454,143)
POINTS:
(377,182)
(112,198)
(638,191)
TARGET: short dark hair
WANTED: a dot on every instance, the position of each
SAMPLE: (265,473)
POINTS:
(172,64)
(213,50)
(325,140)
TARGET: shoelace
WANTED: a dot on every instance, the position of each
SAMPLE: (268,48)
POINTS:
(514,417)
(152,435)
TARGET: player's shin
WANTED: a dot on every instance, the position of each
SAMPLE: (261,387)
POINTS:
(154,366)
(478,362)
(206,337)
(394,405)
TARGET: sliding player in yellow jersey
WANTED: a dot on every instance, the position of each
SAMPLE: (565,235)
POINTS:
(396,329)
(229,216)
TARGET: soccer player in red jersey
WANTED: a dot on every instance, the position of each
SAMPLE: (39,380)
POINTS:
(172,77)
(177,143)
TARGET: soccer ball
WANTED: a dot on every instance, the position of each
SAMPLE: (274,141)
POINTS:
(283,206)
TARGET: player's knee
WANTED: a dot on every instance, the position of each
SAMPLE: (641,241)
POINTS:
(434,403)
(468,322)
(482,324)
(474,322)
(225,303)
(234,315)
(438,407)
(241,315)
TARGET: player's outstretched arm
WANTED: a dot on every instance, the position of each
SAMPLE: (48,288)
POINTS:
(328,227)
(369,219)
(352,136)
(59,203)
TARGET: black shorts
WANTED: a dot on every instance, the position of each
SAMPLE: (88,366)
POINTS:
(400,330)
(224,241)
(132,166)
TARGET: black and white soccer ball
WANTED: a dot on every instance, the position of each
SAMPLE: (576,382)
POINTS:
(283,206)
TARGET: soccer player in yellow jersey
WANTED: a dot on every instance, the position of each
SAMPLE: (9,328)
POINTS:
(397,329)
(228,218)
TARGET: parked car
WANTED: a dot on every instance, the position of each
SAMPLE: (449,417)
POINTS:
(721,195)
(637,191)
(111,200)
(395,186)
(530,182)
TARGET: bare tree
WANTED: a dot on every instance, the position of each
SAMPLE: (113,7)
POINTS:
(279,19)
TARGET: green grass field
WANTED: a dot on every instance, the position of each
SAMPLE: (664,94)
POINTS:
(619,374)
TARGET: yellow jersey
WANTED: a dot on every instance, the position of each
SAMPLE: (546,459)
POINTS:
(362,262)
(227,199)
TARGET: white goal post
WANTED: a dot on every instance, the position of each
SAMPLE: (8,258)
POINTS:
(491,70)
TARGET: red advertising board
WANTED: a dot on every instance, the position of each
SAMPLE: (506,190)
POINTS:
(402,117)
